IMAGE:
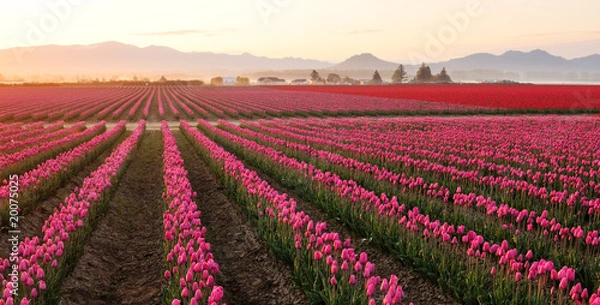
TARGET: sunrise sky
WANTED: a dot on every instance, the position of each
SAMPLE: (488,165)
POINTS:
(330,30)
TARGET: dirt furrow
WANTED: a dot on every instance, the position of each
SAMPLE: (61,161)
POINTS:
(122,262)
(250,274)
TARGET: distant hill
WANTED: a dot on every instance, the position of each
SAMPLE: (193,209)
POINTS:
(536,65)
(536,60)
(516,61)
(363,62)
(114,57)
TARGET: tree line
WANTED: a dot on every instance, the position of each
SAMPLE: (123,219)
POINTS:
(423,75)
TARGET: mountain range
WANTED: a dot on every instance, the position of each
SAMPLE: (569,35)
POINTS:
(517,61)
(117,58)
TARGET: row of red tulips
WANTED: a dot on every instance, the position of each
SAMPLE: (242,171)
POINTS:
(519,96)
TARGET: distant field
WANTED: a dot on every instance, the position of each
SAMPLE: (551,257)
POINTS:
(494,96)
(155,103)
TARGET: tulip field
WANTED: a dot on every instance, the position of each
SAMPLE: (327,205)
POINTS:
(155,103)
(197,195)
(515,96)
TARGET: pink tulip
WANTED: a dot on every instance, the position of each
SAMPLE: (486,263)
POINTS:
(352,279)
(518,276)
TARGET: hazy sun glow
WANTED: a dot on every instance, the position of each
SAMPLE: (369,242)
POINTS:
(328,30)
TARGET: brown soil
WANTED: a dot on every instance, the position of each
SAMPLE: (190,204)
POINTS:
(250,274)
(417,289)
(122,262)
(31,224)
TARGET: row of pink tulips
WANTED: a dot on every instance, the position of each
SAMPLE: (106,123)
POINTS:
(28,131)
(131,103)
(170,103)
(89,110)
(10,127)
(508,179)
(291,102)
(412,220)
(526,219)
(146,110)
(321,256)
(190,267)
(494,145)
(11,161)
(41,258)
(161,107)
(55,131)
(189,103)
(50,173)
(137,94)
(181,102)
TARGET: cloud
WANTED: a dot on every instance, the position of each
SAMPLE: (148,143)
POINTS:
(187,32)
(559,34)
(367,31)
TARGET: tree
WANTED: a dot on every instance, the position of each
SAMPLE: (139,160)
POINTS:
(314,75)
(242,80)
(162,79)
(216,81)
(135,78)
(349,80)
(376,78)
(443,77)
(399,75)
(423,74)
(333,78)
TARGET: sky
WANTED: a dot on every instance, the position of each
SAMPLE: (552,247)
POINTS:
(332,30)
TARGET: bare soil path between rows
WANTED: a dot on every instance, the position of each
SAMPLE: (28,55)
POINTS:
(250,273)
(122,262)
